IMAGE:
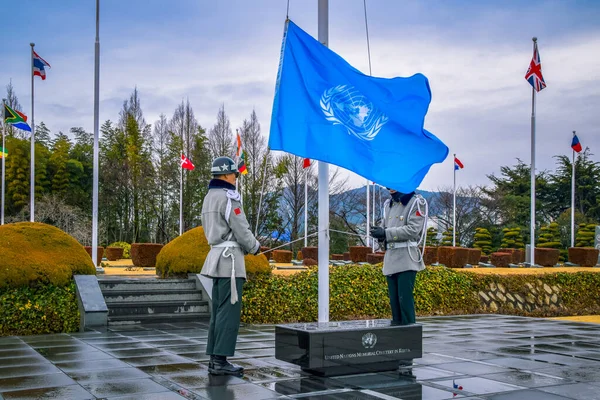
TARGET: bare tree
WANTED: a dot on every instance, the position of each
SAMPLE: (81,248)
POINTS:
(469,211)
(13,102)
(220,136)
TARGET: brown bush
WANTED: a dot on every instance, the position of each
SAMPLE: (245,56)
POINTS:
(266,251)
(359,253)
(474,256)
(144,254)
(347,256)
(99,253)
(282,256)
(114,253)
(375,258)
(501,260)
(430,256)
(309,261)
(518,255)
(484,259)
(310,252)
(299,256)
(337,257)
(546,257)
(453,257)
(584,256)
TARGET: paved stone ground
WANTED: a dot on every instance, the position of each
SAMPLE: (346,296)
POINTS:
(466,357)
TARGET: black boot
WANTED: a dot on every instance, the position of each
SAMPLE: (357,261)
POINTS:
(218,365)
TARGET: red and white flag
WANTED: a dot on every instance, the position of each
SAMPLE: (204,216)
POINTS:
(186,163)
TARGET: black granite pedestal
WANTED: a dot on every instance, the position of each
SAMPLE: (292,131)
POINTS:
(348,347)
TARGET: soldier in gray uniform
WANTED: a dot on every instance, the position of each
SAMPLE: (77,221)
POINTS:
(229,235)
(401,230)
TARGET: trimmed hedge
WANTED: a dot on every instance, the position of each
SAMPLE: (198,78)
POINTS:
(186,254)
(99,253)
(282,256)
(33,253)
(38,310)
(114,253)
(359,253)
(360,292)
(125,246)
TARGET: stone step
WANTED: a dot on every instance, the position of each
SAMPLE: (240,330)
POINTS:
(145,284)
(157,318)
(130,296)
(134,309)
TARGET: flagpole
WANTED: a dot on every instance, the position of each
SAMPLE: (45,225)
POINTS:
(373,215)
(532,217)
(32,168)
(96,137)
(454,204)
(323,316)
(181,200)
(261,192)
(573,199)
(306,207)
(3,157)
(367,242)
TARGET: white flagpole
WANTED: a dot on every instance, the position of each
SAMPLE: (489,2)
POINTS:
(367,241)
(373,215)
(454,204)
(96,137)
(3,158)
(306,207)
(32,168)
(532,218)
(181,199)
(323,23)
(573,199)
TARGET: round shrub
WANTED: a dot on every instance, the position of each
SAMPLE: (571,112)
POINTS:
(126,248)
(257,264)
(309,261)
(182,255)
(36,253)
(144,254)
(186,254)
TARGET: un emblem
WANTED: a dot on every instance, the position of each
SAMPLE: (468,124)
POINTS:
(345,105)
(369,340)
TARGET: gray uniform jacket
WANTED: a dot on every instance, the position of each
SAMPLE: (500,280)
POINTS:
(400,228)
(219,228)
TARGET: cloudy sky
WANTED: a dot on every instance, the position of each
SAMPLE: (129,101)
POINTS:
(475,54)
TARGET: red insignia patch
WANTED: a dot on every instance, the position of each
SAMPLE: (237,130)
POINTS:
(237,211)
(419,214)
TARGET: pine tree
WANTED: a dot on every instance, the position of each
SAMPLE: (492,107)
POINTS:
(432,237)
(57,166)
(585,235)
(512,239)
(483,240)
(17,174)
(447,237)
(549,236)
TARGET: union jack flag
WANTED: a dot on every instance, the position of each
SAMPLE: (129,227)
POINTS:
(534,72)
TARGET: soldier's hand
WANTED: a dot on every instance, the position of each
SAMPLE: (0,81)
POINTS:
(257,252)
(377,232)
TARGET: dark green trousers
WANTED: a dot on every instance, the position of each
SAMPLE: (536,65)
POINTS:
(402,301)
(224,318)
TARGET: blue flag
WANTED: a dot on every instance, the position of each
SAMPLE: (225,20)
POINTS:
(327,110)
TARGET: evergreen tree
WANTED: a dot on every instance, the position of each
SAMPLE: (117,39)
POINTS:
(483,240)
(57,166)
(447,237)
(42,135)
(512,238)
(432,237)
(549,236)
(17,174)
(585,235)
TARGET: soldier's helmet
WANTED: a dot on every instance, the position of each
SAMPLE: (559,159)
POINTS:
(223,166)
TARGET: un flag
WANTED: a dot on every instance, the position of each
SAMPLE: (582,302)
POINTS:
(327,110)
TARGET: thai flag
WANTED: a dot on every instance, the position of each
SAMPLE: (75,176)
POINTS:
(306,163)
(575,145)
(38,66)
(457,164)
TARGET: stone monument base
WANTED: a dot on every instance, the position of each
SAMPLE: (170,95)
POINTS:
(348,347)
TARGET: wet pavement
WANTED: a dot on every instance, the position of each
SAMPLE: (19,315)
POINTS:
(464,357)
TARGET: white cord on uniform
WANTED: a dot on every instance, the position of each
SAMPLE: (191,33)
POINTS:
(419,202)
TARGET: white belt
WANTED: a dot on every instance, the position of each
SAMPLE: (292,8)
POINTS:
(226,253)
(399,245)
(228,243)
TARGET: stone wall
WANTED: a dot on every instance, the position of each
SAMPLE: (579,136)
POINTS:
(538,296)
